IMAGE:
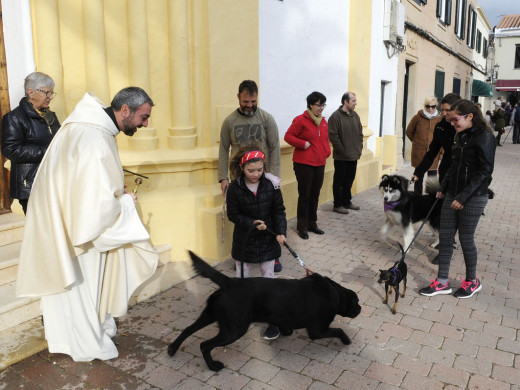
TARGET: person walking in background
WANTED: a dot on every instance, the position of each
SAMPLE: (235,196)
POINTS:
(489,119)
(420,132)
(515,122)
(465,192)
(255,204)
(309,135)
(346,137)
(85,250)
(499,117)
(508,111)
(27,131)
(248,123)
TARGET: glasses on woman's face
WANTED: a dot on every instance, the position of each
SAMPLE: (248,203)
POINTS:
(49,94)
(456,119)
(322,106)
(430,106)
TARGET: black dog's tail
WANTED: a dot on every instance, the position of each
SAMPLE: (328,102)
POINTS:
(207,271)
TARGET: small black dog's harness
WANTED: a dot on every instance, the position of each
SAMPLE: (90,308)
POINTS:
(396,273)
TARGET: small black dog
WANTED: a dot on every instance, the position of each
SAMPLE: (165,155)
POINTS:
(392,277)
(311,303)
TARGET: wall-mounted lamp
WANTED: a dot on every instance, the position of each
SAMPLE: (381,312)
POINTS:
(496,66)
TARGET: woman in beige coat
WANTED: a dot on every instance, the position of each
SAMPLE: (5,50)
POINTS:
(420,132)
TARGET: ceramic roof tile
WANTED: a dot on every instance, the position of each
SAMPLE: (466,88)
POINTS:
(509,21)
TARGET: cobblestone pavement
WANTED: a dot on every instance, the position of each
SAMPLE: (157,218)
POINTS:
(431,343)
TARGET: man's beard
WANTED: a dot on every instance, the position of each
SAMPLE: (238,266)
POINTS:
(130,131)
(128,126)
(248,112)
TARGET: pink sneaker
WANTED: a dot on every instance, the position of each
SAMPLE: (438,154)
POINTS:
(468,288)
(435,288)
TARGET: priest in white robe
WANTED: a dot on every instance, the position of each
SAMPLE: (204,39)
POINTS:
(85,249)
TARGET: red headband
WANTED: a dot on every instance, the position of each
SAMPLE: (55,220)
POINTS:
(251,155)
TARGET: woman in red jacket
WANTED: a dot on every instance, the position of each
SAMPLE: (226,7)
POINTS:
(309,135)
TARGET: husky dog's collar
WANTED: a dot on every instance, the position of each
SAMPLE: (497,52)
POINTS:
(392,205)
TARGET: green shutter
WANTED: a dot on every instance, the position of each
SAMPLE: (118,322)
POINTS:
(439,84)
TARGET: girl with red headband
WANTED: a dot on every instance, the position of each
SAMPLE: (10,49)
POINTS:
(255,204)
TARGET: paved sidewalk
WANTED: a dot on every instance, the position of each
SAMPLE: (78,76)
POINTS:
(431,343)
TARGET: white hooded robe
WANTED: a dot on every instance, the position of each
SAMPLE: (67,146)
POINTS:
(85,249)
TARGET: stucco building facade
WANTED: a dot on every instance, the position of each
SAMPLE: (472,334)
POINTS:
(191,56)
(438,58)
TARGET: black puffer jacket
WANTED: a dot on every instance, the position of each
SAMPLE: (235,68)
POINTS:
(473,159)
(443,136)
(251,245)
(25,138)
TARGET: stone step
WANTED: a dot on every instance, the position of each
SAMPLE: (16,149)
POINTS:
(21,342)
(15,311)
(21,332)
(9,262)
(11,228)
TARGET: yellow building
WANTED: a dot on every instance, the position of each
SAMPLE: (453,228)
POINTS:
(190,55)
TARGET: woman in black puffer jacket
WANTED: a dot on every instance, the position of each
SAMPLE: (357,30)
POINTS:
(465,191)
(27,131)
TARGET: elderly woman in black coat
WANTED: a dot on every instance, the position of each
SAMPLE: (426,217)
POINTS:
(27,131)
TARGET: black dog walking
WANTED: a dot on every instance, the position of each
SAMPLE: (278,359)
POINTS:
(310,303)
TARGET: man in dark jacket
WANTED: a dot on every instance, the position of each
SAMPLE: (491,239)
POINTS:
(27,131)
(346,136)
(442,138)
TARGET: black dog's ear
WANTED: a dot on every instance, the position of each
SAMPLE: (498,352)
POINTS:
(384,177)
(403,182)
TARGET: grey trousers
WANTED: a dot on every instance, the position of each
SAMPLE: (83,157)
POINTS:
(464,221)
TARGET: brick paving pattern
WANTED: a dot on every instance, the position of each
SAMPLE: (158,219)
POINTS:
(439,342)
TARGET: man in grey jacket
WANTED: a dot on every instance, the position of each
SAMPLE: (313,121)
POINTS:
(248,123)
(346,136)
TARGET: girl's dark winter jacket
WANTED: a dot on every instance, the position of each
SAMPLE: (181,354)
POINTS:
(25,138)
(243,208)
(473,159)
